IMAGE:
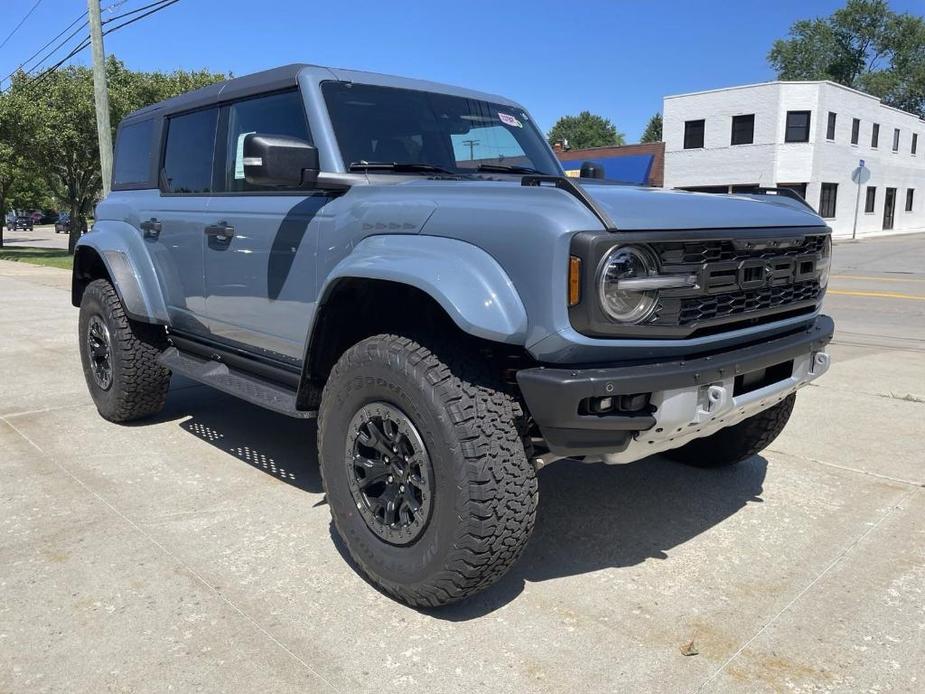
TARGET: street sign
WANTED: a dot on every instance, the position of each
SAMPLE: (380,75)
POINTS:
(861,174)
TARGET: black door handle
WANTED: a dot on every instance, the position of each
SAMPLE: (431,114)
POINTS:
(151,228)
(221,231)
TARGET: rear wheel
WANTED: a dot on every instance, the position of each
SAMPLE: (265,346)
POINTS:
(120,357)
(424,469)
(736,443)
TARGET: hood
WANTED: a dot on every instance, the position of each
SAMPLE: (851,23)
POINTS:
(633,208)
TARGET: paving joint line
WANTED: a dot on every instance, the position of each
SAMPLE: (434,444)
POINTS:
(867,473)
(170,554)
(837,560)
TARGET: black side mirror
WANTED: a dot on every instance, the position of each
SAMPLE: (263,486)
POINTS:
(277,160)
(591,169)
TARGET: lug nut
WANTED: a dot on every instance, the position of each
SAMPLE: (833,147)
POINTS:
(389,480)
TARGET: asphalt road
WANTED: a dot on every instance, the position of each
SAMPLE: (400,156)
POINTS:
(42,236)
(194,552)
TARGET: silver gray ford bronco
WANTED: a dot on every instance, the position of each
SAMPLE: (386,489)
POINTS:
(406,262)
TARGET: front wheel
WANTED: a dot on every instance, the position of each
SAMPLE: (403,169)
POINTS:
(120,357)
(424,469)
(736,443)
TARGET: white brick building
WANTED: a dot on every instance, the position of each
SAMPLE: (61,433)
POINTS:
(806,135)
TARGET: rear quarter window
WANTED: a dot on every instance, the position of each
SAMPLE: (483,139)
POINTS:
(134,149)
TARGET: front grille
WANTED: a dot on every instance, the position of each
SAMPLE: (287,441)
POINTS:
(697,252)
(703,308)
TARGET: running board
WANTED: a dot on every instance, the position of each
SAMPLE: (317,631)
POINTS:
(246,386)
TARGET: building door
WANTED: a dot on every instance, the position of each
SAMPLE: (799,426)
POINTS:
(889,208)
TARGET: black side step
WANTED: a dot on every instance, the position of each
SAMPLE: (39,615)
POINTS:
(246,386)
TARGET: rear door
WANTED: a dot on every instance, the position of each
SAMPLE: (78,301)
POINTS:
(173,224)
(260,283)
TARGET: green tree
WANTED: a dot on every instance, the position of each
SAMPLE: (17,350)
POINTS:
(585,130)
(864,45)
(55,125)
(653,131)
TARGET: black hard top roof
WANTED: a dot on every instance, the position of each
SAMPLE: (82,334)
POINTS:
(267,80)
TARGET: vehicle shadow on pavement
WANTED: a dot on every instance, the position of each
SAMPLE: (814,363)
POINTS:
(597,516)
(590,516)
(282,447)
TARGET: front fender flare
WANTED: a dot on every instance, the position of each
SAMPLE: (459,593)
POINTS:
(129,265)
(467,282)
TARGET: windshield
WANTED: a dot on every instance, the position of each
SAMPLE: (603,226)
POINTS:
(387,125)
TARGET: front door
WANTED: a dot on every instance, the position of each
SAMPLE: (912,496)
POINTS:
(172,222)
(889,208)
(259,257)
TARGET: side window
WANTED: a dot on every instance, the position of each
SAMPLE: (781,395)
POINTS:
(188,155)
(276,114)
(132,166)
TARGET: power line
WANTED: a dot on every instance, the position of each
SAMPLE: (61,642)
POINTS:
(126,14)
(21,22)
(163,4)
(22,65)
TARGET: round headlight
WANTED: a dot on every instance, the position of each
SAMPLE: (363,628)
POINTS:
(825,262)
(622,303)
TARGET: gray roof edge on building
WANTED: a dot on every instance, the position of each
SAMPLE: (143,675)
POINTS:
(287,76)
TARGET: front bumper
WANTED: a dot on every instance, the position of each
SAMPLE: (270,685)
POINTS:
(687,398)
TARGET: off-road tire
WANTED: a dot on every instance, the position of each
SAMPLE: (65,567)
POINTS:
(736,443)
(485,489)
(139,382)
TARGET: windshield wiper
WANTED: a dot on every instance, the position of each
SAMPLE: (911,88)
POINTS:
(396,166)
(507,168)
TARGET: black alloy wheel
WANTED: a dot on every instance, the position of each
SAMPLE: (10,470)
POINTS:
(99,350)
(389,473)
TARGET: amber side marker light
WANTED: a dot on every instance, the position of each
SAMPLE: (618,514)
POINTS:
(574,280)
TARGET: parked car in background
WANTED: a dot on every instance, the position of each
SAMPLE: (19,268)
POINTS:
(23,222)
(36,217)
(48,217)
(63,224)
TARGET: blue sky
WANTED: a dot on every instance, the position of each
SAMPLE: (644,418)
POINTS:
(616,58)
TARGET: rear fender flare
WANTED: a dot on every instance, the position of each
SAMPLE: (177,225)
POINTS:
(122,251)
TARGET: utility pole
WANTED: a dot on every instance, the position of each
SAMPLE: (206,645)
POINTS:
(471,144)
(101,94)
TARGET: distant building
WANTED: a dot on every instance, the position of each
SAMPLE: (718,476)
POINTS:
(642,164)
(808,136)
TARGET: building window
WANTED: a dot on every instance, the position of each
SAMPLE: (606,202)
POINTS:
(910,193)
(830,128)
(871,200)
(798,188)
(693,134)
(895,139)
(827,200)
(875,135)
(743,129)
(797,126)
(915,142)
(855,130)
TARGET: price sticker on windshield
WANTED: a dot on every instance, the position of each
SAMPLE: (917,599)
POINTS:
(508,119)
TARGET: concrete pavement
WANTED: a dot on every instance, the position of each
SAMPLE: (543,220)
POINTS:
(194,552)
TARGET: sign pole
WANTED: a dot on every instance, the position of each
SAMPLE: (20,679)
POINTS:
(858,176)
